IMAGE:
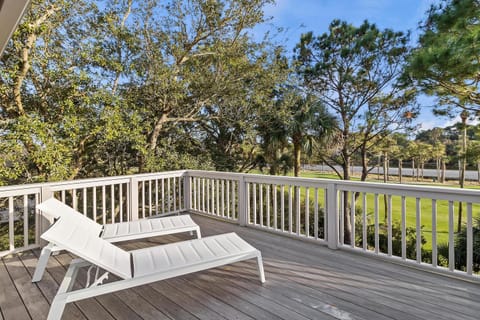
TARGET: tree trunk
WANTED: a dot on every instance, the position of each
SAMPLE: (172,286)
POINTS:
(444,169)
(438,163)
(364,174)
(297,151)
(157,129)
(347,227)
(400,163)
(385,168)
(478,172)
(413,169)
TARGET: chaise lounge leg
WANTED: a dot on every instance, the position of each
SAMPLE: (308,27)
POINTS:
(261,272)
(42,262)
(57,307)
(199,235)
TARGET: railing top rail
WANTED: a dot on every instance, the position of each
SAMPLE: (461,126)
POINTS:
(434,192)
(35,187)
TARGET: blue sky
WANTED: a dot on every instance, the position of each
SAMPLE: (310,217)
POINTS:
(300,16)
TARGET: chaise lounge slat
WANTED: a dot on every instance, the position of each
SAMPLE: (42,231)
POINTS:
(116,232)
(146,228)
(225,247)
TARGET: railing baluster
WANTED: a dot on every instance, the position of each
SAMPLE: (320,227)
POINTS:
(325,214)
(234,211)
(11,226)
(290,209)
(260,194)
(364,222)
(169,195)
(341,230)
(143,199)
(25,220)
(247,200)
(352,218)
(74,199)
(163,196)
(208,196)
(434,233)
(307,212)
(254,186)
(156,196)
(212,197)
(228,198)
(203,195)
(418,217)
(389,227)
(63,196)
(37,219)
(112,200)
(223,198)
(149,198)
(377,229)
(268,205)
(94,203)
(404,227)
(282,207)
(451,239)
(174,194)
(315,215)
(84,201)
(275,207)
(469,239)
(104,205)
(120,200)
(218,197)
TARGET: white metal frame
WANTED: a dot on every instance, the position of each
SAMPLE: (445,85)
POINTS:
(137,267)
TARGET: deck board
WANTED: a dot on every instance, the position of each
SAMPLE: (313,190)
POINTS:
(304,281)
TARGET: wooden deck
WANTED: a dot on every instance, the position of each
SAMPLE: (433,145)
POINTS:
(304,281)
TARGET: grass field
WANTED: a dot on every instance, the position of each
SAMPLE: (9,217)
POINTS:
(425,205)
(426,208)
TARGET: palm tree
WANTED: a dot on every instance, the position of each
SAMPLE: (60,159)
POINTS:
(309,123)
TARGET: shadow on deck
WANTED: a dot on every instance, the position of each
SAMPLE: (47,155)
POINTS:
(304,281)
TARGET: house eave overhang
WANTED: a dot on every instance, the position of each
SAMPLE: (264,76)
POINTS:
(11,12)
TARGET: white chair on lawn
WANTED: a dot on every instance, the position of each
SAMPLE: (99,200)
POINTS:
(115,232)
(137,267)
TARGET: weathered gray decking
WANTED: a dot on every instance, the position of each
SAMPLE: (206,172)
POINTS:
(304,281)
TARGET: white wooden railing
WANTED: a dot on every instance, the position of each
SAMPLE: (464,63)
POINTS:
(389,221)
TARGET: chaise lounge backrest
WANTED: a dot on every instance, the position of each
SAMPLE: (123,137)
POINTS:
(56,209)
(80,238)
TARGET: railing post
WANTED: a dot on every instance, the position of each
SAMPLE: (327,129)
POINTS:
(242,202)
(187,192)
(133,199)
(332,216)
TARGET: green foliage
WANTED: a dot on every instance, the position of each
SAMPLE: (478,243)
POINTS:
(411,240)
(461,249)
(446,61)
(118,88)
(354,72)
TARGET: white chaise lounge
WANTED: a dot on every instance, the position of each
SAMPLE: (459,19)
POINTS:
(115,232)
(137,267)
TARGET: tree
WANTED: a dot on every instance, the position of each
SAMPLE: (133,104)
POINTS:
(194,56)
(48,111)
(446,62)
(307,122)
(400,152)
(354,72)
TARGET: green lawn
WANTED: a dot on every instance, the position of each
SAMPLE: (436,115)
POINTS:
(425,205)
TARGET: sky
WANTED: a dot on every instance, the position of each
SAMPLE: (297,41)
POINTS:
(301,16)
